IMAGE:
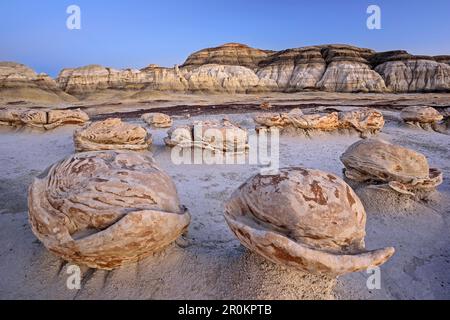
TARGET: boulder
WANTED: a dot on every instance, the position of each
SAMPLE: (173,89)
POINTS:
(403,72)
(42,118)
(348,70)
(305,219)
(420,114)
(364,121)
(105,209)
(383,165)
(111,134)
(234,54)
(220,136)
(265,106)
(157,120)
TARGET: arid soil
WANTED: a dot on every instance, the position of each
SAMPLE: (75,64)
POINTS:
(209,262)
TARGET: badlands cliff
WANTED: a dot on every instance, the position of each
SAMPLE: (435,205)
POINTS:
(237,68)
(19,82)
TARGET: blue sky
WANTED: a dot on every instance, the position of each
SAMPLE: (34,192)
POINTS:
(135,33)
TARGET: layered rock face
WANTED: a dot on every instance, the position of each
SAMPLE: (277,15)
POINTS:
(94,78)
(403,72)
(111,134)
(348,70)
(293,69)
(364,121)
(236,68)
(223,136)
(19,82)
(233,54)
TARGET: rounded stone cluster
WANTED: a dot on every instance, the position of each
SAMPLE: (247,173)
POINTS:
(420,115)
(41,118)
(364,121)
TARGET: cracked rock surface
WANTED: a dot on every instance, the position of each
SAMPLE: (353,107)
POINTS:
(365,121)
(105,209)
(303,218)
(111,134)
(378,162)
(41,118)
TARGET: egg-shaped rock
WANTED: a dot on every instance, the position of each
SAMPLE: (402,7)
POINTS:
(376,161)
(104,209)
(111,134)
(303,218)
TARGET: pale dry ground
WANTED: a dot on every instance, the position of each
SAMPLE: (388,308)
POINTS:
(209,262)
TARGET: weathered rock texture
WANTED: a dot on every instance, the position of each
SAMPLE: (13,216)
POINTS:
(41,118)
(382,164)
(303,218)
(348,71)
(237,68)
(157,120)
(20,83)
(233,54)
(105,209)
(210,135)
(420,114)
(426,118)
(364,121)
(111,134)
(94,78)
(403,72)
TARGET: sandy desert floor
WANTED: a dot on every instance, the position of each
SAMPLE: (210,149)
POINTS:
(209,262)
